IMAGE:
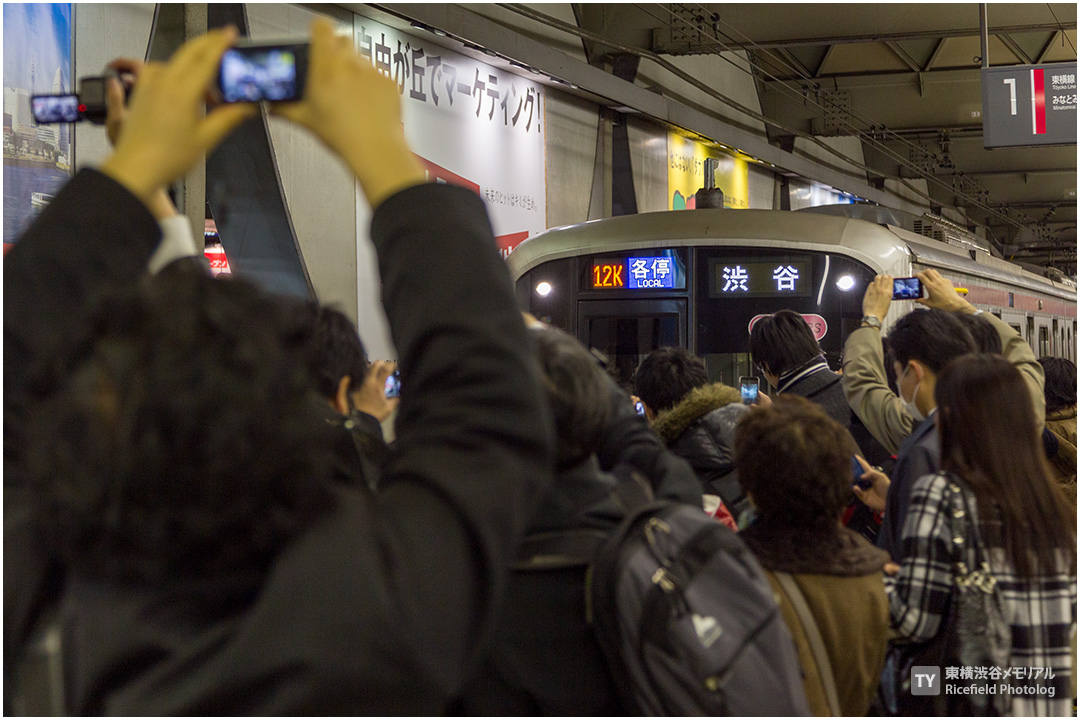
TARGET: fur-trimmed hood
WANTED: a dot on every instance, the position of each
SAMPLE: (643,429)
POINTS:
(670,424)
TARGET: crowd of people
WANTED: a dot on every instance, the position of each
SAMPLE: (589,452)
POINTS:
(198,493)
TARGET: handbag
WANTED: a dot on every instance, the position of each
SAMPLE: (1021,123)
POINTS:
(973,632)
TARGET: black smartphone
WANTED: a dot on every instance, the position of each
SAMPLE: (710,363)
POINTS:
(254,72)
(907,288)
(48,109)
(858,471)
(748,389)
(393,384)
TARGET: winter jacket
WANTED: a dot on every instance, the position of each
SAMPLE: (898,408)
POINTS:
(544,658)
(377,608)
(701,429)
(1062,424)
(817,383)
(840,577)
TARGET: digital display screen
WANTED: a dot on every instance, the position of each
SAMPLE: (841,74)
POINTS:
(259,73)
(608,274)
(664,271)
(55,108)
(906,288)
(733,278)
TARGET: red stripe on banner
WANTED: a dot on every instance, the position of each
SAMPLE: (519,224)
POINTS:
(1039,91)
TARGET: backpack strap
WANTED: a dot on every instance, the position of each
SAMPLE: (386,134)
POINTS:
(813,636)
(558,549)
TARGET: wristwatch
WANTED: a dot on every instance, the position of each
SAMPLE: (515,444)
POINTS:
(870,321)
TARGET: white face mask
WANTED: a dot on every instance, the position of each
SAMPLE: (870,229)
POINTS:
(909,406)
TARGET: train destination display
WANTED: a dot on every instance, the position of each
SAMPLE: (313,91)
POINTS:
(733,278)
(662,272)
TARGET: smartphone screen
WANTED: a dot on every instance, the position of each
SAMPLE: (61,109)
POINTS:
(909,288)
(55,108)
(748,389)
(252,73)
(639,407)
(393,384)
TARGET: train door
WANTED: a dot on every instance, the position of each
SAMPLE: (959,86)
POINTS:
(1057,340)
(628,330)
(1029,335)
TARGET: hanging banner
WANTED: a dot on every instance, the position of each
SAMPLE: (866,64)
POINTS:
(686,174)
(471,124)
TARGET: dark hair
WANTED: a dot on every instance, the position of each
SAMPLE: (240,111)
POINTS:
(577,392)
(336,352)
(783,341)
(983,332)
(666,375)
(795,461)
(933,337)
(989,438)
(1060,387)
(172,439)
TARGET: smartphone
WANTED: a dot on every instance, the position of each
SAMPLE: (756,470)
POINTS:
(393,384)
(858,471)
(256,72)
(748,389)
(639,407)
(48,109)
(909,288)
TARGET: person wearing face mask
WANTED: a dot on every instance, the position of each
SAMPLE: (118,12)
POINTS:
(864,378)
(922,344)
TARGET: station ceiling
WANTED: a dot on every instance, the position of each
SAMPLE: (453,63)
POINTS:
(904,76)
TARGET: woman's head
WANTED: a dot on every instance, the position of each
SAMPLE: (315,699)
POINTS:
(794,462)
(990,438)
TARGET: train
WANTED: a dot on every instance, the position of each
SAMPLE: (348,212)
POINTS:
(699,279)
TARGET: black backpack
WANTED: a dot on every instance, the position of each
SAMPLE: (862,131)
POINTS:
(683,612)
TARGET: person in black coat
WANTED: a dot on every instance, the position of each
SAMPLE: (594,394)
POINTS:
(191,584)
(544,657)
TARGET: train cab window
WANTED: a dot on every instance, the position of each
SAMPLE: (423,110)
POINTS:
(625,332)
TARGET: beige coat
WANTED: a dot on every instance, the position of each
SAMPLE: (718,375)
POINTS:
(852,615)
(878,405)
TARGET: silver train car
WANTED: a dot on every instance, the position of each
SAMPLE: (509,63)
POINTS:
(699,279)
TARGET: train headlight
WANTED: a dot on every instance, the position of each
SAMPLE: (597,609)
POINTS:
(543,289)
(845,282)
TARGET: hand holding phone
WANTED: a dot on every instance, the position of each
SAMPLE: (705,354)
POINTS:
(748,390)
(907,288)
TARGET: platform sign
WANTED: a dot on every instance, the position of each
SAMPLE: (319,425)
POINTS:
(1026,105)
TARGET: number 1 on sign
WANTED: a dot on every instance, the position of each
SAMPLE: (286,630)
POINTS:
(1011,82)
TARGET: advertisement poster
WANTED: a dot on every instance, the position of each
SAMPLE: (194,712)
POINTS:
(686,174)
(472,125)
(37,61)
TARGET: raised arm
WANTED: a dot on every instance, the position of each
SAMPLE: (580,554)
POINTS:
(866,386)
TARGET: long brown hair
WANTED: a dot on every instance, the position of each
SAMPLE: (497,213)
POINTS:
(989,438)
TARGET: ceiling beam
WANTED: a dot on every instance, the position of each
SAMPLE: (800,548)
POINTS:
(1047,47)
(902,54)
(933,55)
(1018,171)
(794,62)
(1015,49)
(825,59)
(883,37)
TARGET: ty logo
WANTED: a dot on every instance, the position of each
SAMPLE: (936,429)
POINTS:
(925,680)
